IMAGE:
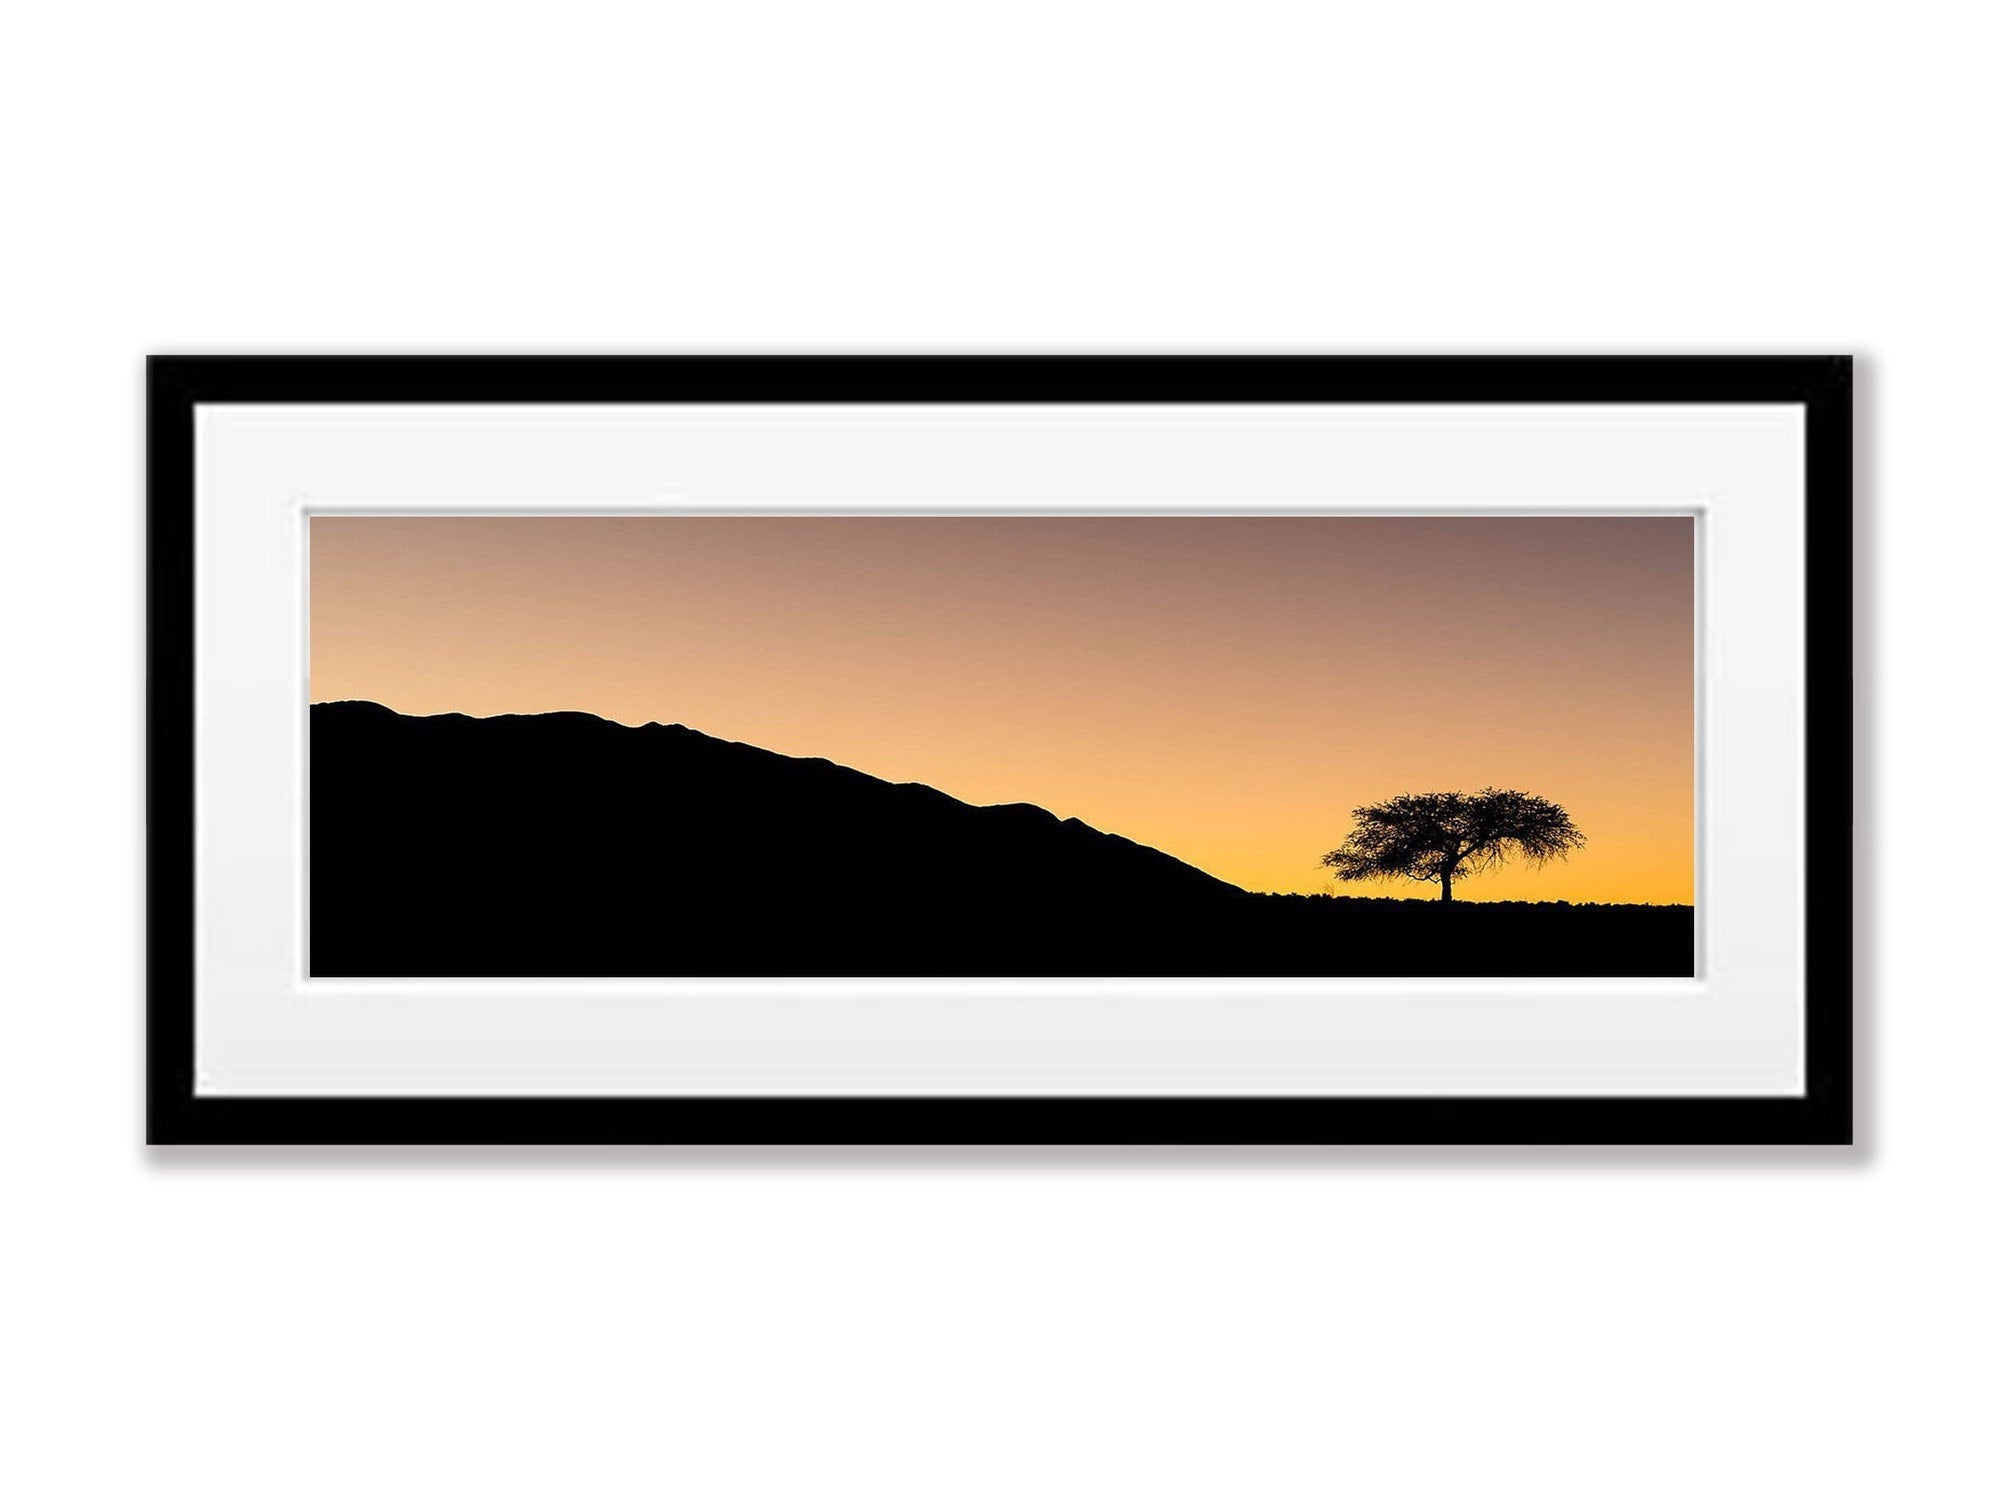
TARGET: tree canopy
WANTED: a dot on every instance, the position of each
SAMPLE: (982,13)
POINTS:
(1442,836)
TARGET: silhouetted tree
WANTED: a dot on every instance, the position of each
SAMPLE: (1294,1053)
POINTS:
(1441,836)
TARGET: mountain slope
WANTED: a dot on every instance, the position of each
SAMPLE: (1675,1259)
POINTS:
(564,844)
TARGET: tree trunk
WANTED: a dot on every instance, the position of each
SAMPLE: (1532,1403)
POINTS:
(1447,885)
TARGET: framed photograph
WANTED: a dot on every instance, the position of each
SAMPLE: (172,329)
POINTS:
(1000,750)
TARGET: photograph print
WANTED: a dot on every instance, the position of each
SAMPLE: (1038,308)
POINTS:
(1001,746)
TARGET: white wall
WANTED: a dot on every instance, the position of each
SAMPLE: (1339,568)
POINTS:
(1530,176)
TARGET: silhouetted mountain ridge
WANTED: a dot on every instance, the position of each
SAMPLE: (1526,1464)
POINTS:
(659,844)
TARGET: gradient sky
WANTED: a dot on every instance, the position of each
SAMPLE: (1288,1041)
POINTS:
(1224,689)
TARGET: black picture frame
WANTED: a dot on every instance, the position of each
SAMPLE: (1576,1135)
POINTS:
(177,1114)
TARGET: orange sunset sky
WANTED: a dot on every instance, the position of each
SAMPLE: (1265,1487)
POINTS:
(1224,689)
